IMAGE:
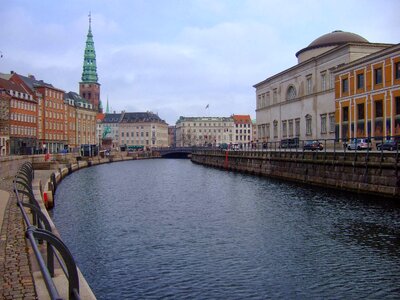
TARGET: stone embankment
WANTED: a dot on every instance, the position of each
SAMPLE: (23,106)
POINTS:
(374,173)
(20,277)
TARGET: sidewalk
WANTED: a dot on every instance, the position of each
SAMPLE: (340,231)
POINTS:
(15,268)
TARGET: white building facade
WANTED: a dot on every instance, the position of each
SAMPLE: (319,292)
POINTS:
(204,131)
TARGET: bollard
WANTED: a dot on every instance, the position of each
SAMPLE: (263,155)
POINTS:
(50,200)
(45,200)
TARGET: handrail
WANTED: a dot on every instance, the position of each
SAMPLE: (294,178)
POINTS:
(339,146)
(41,230)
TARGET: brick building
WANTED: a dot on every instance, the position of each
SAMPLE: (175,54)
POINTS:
(51,125)
(19,119)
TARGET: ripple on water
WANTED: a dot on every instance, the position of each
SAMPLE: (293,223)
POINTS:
(174,230)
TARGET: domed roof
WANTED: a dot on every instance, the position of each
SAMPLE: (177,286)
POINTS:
(334,38)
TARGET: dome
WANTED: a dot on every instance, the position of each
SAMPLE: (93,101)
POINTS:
(334,38)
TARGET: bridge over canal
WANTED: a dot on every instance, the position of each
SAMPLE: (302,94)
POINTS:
(175,152)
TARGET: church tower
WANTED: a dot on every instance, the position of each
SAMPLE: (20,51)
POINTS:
(89,88)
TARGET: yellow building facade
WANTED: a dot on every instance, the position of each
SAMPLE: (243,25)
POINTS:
(367,96)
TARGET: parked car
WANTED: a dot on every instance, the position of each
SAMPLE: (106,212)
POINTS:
(313,145)
(388,145)
(359,144)
(289,143)
(223,146)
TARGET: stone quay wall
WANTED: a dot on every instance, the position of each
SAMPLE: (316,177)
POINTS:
(372,172)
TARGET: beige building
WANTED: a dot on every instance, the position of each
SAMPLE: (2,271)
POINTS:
(137,130)
(299,102)
(81,117)
(204,131)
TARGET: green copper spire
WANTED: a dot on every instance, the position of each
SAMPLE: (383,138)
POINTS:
(89,73)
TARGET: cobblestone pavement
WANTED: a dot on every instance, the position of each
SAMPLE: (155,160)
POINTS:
(15,268)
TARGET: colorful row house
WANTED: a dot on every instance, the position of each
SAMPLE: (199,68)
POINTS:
(51,133)
(367,96)
(18,119)
(36,117)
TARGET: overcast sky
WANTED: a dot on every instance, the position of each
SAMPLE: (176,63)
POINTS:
(175,57)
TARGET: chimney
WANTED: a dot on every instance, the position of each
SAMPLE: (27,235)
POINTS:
(31,76)
(11,72)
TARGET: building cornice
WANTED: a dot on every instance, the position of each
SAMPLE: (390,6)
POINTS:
(319,57)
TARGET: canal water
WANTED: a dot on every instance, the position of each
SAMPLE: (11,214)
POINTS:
(170,229)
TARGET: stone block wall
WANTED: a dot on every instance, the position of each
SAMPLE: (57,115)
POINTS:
(362,172)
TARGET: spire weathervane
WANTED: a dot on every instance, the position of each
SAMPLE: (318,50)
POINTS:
(90,19)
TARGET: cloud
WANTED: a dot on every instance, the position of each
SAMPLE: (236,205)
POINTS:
(175,57)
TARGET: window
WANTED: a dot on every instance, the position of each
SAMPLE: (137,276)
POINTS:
(290,127)
(378,109)
(323,81)
(275,129)
(360,111)
(345,114)
(332,122)
(267,134)
(378,75)
(284,128)
(397,100)
(291,93)
(275,96)
(309,85)
(360,81)
(323,123)
(297,126)
(308,125)
(397,70)
(345,85)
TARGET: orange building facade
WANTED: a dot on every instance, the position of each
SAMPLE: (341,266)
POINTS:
(367,96)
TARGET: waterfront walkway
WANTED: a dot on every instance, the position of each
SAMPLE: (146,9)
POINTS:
(19,272)
(15,267)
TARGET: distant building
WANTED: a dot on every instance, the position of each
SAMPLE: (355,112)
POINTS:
(299,102)
(171,136)
(243,129)
(135,130)
(81,125)
(204,131)
(367,93)
(142,129)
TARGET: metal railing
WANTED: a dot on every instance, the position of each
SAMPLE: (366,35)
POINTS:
(39,230)
(380,147)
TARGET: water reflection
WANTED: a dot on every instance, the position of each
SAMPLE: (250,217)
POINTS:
(172,229)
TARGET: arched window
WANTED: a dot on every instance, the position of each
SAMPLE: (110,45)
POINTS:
(291,93)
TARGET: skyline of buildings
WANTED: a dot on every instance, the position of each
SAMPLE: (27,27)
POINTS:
(310,100)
